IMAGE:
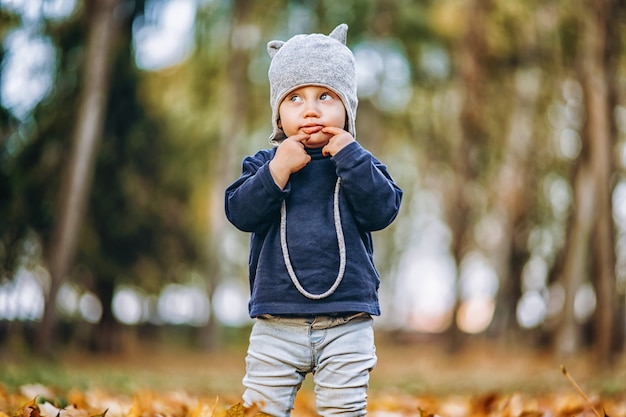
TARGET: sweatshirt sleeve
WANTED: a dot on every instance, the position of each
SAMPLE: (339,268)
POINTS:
(372,193)
(254,199)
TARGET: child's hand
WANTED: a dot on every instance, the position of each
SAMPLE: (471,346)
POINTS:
(337,142)
(290,157)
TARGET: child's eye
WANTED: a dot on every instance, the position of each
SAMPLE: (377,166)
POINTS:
(326,96)
(295,98)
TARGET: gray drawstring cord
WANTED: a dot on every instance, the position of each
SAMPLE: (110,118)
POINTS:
(340,241)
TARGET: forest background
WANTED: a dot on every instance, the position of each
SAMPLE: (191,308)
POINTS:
(123,121)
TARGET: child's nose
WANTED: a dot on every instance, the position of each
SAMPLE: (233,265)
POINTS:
(311,109)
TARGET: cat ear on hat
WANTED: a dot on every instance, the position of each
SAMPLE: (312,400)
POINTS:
(340,33)
(273,47)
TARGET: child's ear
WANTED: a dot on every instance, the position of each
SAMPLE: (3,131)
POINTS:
(279,123)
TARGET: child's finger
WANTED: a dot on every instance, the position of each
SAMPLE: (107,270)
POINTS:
(299,138)
(333,130)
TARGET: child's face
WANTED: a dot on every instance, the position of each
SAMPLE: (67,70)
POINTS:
(306,110)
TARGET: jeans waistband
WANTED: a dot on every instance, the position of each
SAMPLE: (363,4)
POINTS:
(316,322)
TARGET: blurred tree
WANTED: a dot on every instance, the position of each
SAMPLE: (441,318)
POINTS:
(598,78)
(11,229)
(592,222)
(236,107)
(79,171)
(136,229)
(467,159)
(520,54)
(142,229)
(509,200)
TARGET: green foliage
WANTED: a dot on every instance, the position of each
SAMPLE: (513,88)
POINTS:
(174,137)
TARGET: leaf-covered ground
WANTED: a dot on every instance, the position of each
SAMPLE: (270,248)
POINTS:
(416,379)
(76,403)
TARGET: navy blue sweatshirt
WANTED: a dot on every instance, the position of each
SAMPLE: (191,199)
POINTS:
(369,200)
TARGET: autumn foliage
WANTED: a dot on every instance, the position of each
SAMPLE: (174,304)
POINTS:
(41,401)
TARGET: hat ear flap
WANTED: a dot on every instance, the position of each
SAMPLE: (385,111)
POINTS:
(340,33)
(273,47)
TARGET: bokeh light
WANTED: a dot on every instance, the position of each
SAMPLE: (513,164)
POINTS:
(230,303)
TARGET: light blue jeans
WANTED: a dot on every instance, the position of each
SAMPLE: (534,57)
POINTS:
(338,351)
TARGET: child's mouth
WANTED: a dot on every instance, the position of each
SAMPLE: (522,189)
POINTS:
(309,130)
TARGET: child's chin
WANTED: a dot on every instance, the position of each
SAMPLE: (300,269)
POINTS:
(317,141)
(315,145)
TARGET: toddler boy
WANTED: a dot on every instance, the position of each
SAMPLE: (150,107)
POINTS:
(310,204)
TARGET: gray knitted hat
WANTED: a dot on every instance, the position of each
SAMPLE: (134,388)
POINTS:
(313,59)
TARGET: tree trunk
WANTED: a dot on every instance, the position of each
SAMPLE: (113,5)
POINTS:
(235,109)
(596,82)
(510,195)
(593,220)
(471,70)
(576,258)
(78,174)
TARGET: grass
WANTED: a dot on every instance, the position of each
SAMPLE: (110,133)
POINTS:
(413,368)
